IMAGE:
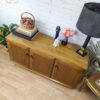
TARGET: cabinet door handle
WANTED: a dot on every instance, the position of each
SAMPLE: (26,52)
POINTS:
(57,66)
(27,54)
(32,56)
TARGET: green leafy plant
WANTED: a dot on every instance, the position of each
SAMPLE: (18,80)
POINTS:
(6,30)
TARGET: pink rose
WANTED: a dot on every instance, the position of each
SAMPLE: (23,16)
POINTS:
(68,33)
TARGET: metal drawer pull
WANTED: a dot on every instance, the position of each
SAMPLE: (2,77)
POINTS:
(27,54)
(57,66)
(32,57)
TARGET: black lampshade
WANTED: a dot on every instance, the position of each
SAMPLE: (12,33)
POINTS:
(89,20)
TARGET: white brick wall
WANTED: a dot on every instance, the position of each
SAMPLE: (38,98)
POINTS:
(48,14)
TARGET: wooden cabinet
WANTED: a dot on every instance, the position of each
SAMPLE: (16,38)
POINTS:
(62,64)
(41,62)
(66,73)
(19,53)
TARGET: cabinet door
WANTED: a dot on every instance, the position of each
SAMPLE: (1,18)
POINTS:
(18,53)
(66,73)
(41,62)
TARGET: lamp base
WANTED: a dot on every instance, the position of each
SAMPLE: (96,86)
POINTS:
(82,52)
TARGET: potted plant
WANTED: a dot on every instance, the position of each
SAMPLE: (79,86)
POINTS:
(6,30)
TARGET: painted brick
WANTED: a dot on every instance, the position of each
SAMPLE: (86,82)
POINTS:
(48,14)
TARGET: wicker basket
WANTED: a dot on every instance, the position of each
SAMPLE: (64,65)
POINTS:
(27,22)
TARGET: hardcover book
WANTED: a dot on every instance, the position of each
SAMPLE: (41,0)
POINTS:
(27,32)
(26,37)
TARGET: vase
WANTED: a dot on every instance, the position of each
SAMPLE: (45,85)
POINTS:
(65,41)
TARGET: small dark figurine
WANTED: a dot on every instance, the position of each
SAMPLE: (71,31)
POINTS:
(57,31)
(57,41)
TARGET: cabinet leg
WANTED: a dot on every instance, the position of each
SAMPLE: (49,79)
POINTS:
(83,84)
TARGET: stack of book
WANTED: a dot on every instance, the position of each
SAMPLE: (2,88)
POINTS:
(28,34)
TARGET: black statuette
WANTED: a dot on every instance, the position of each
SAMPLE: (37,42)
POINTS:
(57,31)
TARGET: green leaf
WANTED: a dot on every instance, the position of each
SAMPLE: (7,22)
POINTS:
(4,33)
(13,29)
(12,26)
(7,33)
(1,36)
(4,43)
(5,26)
(1,29)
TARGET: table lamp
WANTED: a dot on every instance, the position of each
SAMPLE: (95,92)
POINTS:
(89,24)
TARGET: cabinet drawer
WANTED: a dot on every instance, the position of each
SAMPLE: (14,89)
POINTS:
(41,62)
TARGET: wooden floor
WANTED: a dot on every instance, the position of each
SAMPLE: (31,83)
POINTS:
(19,84)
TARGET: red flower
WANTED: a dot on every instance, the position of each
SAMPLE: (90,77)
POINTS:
(68,33)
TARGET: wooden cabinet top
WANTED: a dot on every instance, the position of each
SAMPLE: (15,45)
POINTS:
(44,44)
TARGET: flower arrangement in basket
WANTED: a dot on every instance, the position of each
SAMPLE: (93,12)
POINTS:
(27,22)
